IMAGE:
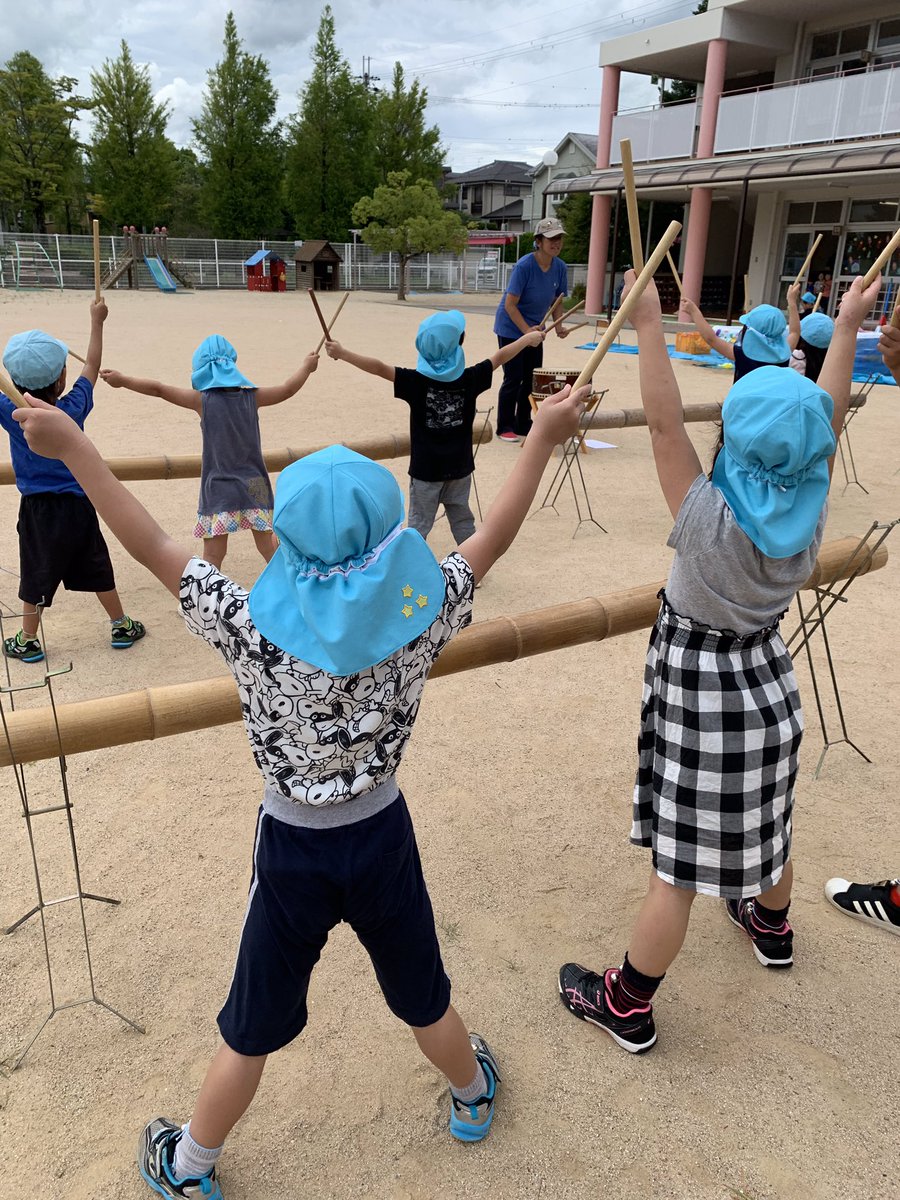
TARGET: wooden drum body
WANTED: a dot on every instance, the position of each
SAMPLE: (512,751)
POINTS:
(549,380)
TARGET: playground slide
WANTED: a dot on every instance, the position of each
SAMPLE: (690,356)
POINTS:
(161,276)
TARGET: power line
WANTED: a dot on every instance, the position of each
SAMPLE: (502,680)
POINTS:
(509,103)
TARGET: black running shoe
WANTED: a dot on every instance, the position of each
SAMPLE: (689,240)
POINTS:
(773,947)
(869,902)
(126,632)
(156,1158)
(26,649)
(589,996)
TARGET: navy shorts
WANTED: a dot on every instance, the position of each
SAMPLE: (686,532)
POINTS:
(60,543)
(306,881)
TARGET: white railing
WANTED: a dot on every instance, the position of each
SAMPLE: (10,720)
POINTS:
(656,133)
(859,105)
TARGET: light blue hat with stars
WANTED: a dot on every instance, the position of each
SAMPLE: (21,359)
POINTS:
(348,585)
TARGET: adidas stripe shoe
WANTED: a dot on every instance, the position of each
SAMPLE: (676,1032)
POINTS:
(773,947)
(589,997)
(471,1122)
(156,1162)
(869,902)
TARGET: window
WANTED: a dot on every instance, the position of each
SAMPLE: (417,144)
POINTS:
(889,35)
(829,212)
(873,210)
(841,50)
(800,214)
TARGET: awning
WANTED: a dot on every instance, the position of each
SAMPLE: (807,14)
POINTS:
(492,239)
(770,166)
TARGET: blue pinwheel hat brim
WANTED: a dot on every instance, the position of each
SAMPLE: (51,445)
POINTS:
(34,359)
(773,467)
(348,585)
(765,335)
(441,356)
(817,329)
(214,365)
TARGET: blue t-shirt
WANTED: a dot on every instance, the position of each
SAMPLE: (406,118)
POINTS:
(536,290)
(34,473)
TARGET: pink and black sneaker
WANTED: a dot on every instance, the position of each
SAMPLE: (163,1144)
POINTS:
(773,947)
(589,996)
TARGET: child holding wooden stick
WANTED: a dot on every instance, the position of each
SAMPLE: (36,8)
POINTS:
(721,721)
(330,649)
(809,336)
(762,342)
(235,491)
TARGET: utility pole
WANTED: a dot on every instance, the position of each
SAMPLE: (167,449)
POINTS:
(367,79)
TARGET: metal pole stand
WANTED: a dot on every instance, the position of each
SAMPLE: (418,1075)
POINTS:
(570,457)
(814,619)
(857,401)
(79,895)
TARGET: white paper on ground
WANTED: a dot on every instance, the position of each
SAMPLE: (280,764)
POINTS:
(592,445)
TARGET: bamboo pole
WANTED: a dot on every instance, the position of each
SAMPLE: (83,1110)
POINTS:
(187,466)
(326,337)
(675,274)
(624,310)
(95,224)
(187,707)
(628,418)
(312,296)
(802,272)
(882,258)
(634,220)
(11,392)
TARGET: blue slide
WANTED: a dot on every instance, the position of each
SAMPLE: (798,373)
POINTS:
(161,276)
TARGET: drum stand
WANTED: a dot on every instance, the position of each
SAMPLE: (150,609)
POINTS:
(78,896)
(571,458)
(856,403)
(814,619)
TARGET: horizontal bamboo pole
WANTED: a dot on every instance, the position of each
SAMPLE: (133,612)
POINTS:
(186,707)
(625,418)
(187,466)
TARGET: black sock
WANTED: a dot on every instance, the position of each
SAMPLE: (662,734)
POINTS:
(774,918)
(634,989)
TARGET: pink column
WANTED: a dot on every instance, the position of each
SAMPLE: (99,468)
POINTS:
(602,205)
(701,197)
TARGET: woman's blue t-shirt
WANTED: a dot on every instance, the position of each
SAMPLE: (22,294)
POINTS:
(536,290)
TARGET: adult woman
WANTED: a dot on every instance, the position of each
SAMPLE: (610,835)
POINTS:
(539,280)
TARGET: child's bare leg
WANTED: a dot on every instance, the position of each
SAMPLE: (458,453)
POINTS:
(30,620)
(780,895)
(112,604)
(266,542)
(214,549)
(230,1084)
(446,1044)
(660,928)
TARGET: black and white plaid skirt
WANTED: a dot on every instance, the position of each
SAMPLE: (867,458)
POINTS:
(721,725)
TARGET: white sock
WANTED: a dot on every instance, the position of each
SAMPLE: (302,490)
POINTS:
(477,1088)
(193,1161)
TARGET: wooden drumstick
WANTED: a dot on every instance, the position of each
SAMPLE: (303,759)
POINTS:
(815,307)
(11,392)
(895,319)
(801,274)
(675,273)
(77,357)
(634,221)
(568,313)
(882,258)
(326,336)
(312,296)
(96,228)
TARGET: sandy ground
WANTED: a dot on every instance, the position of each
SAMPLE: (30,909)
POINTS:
(762,1085)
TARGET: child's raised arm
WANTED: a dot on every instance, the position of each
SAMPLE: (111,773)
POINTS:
(556,420)
(374,366)
(726,349)
(182,397)
(793,295)
(283,391)
(837,370)
(51,432)
(533,338)
(889,347)
(91,368)
(677,463)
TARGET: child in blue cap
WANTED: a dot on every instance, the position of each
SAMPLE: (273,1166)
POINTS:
(762,342)
(441,393)
(59,536)
(809,336)
(235,490)
(330,650)
(721,721)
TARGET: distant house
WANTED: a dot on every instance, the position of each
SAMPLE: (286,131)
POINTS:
(497,193)
(576,155)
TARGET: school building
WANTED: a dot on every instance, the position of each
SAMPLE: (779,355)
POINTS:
(794,131)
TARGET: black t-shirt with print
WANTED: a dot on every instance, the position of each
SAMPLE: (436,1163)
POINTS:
(441,417)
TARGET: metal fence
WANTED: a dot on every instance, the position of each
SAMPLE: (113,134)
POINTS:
(219,263)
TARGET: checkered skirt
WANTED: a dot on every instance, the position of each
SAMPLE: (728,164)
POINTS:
(721,725)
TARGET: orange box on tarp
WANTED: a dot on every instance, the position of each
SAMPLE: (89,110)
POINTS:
(690,343)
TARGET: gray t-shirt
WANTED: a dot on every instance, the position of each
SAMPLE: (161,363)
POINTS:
(719,577)
(234,476)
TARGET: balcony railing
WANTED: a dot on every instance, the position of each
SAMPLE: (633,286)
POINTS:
(656,133)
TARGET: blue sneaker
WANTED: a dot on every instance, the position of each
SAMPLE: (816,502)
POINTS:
(126,632)
(471,1122)
(24,648)
(156,1159)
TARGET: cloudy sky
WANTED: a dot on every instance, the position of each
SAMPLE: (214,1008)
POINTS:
(505,80)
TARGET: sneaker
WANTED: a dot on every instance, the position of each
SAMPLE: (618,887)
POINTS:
(773,947)
(588,996)
(155,1160)
(471,1122)
(126,632)
(26,649)
(869,902)
(509,437)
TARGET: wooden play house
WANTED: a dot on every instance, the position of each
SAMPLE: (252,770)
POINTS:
(318,266)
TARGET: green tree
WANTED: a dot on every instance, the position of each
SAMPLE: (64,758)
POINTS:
(240,144)
(408,219)
(575,213)
(401,139)
(329,156)
(39,155)
(187,220)
(133,163)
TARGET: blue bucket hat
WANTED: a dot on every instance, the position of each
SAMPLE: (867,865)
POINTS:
(773,467)
(808,298)
(441,356)
(348,585)
(34,359)
(765,335)
(817,330)
(214,365)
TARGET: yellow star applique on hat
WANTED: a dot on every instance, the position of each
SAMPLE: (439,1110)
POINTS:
(407,591)
(407,610)
(422,601)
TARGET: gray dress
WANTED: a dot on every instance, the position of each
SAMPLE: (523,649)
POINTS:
(235,491)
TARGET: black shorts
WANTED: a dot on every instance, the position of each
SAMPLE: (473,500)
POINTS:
(60,543)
